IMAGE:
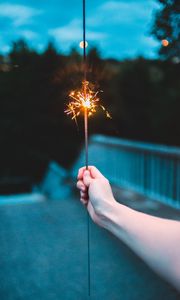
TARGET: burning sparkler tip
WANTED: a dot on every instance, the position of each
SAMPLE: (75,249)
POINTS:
(84,99)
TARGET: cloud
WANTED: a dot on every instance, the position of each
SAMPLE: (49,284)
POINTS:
(73,32)
(19,14)
(118,27)
(28,34)
(149,41)
(140,8)
(69,32)
(127,24)
(123,12)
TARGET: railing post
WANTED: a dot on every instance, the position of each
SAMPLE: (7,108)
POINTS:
(175,179)
(153,170)
(145,172)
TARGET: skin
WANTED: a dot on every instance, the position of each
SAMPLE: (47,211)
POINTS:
(155,240)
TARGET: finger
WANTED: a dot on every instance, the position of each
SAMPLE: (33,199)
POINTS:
(84,195)
(80,173)
(84,201)
(87,179)
(81,186)
(95,173)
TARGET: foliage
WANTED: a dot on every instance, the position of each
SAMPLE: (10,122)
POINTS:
(167,27)
(142,96)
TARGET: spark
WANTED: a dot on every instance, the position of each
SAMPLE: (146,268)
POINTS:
(84,99)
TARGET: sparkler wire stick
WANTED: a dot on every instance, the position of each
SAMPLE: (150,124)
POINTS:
(85,85)
(85,100)
(86,137)
(84,37)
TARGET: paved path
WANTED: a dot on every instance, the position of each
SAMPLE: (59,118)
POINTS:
(43,256)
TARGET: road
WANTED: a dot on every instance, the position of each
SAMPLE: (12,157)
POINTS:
(43,255)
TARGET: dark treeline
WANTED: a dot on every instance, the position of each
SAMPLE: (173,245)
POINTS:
(141,95)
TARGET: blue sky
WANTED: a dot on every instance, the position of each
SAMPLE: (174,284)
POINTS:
(120,29)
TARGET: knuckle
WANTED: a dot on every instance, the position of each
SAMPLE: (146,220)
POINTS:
(98,210)
(77,184)
(105,180)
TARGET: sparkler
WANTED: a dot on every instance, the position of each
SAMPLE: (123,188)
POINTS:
(85,101)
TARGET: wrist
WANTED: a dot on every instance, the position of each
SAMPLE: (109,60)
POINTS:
(116,219)
(111,214)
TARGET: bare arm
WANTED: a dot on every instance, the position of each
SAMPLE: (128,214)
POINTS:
(155,240)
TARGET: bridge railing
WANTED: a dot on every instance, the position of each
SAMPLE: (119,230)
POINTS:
(150,169)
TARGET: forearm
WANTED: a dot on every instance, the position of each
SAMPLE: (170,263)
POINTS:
(155,240)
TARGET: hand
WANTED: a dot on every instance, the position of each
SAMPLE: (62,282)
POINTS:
(96,194)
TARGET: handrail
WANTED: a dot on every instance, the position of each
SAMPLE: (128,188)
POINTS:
(150,169)
(135,145)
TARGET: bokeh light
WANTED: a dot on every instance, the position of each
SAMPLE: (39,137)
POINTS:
(165,43)
(81,44)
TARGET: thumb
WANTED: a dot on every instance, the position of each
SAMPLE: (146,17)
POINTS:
(87,178)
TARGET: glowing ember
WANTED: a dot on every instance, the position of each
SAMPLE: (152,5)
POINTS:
(84,99)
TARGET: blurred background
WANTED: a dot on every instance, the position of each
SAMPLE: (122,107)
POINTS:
(133,57)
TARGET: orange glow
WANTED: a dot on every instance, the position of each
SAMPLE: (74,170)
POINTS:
(165,43)
(81,44)
(87,103)
(84,98)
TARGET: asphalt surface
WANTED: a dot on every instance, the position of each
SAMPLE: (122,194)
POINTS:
(43,255)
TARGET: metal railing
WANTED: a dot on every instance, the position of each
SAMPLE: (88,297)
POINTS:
(150,169)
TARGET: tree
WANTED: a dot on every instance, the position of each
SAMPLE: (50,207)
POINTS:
(166,29)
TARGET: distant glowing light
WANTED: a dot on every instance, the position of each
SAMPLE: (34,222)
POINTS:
(81,44)
(165,43)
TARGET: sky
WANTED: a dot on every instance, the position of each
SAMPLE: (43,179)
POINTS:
(120,29)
